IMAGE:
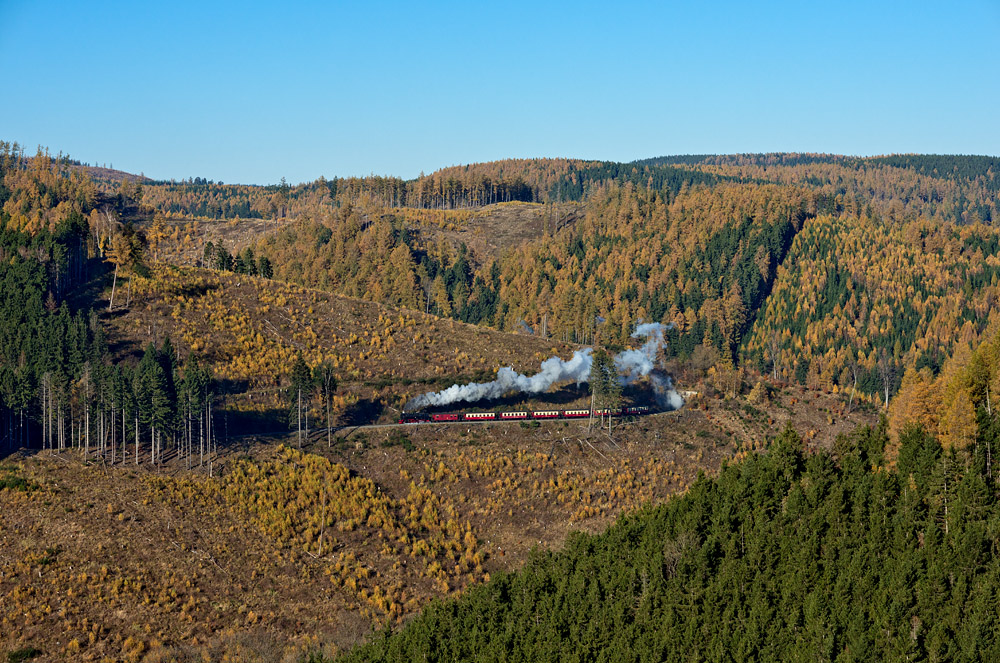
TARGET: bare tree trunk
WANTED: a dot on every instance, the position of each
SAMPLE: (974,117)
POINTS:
(210,468)
(114,283)
(854,373)
(989,459)
(774,346)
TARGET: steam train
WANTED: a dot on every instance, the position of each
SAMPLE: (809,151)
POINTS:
(506,415)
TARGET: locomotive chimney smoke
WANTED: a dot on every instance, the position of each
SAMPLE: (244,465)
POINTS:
(508,380)
(631,365)
(666,396)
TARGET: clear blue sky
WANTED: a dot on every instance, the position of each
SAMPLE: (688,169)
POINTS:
(253,91)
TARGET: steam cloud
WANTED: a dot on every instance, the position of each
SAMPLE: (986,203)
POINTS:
(666,396)
(631,365)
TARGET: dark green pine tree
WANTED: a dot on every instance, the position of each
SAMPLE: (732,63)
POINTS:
(223,259)
(264,267)
(153,403)
(166,357)
(195,394)
(246,263)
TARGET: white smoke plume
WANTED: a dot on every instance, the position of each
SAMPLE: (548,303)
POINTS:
(508,380)
(666,396)
(631,365)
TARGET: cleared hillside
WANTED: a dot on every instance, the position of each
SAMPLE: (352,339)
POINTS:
(249,330)
(287,551)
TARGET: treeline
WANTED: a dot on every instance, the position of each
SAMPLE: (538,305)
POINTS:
(458,187)
(959,167)
(666,180)
(956,167)
(228,201)
(786,555)
(900,187)
(59,388)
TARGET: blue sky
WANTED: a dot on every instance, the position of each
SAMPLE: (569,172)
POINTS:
(252,92)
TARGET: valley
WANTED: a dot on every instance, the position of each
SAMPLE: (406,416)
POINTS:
(206,464)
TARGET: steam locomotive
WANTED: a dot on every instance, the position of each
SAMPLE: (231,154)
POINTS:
(506,415)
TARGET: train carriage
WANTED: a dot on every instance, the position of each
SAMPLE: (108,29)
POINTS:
(514,415)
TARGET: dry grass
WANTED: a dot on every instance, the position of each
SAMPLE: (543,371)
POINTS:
(287,551)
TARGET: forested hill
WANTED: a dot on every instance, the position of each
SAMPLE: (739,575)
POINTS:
(458,187)
(785,556)
(949,166)
(838,272)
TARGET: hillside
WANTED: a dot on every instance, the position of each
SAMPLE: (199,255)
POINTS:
(249,330)
(785,556)
(242,563)
(142,437)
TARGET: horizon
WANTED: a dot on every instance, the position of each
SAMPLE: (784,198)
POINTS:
(258,94)
(181,180)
